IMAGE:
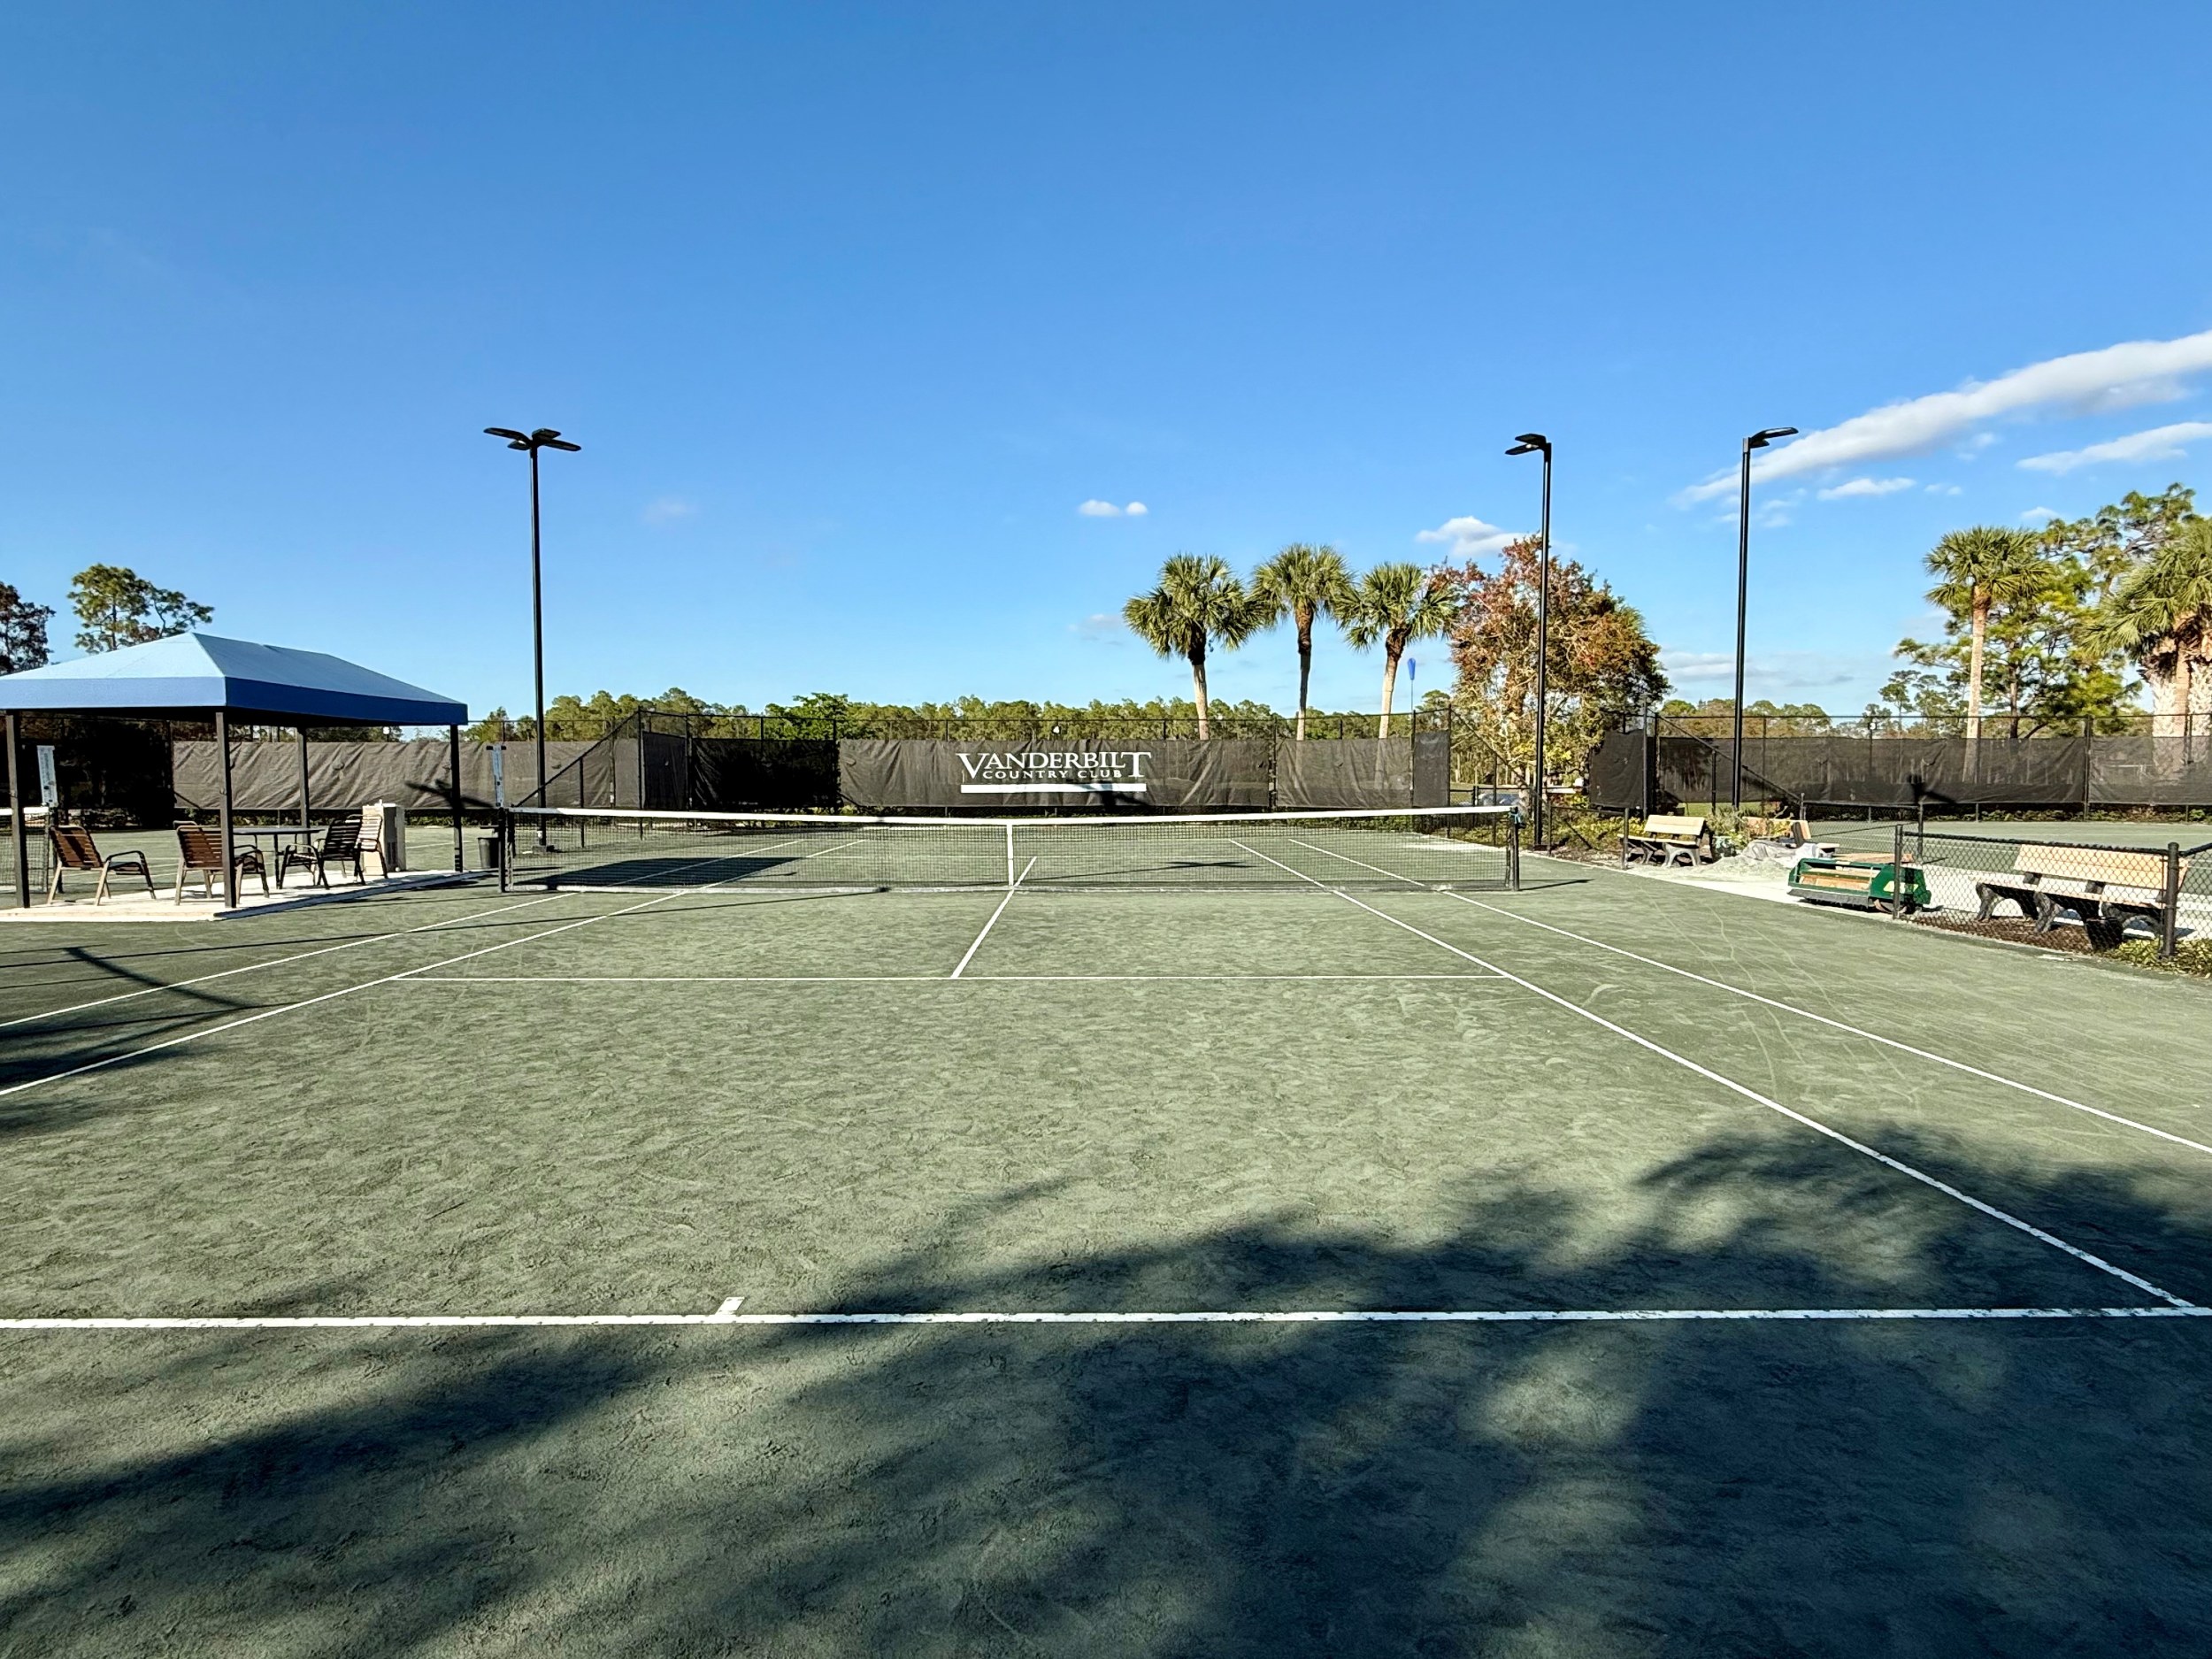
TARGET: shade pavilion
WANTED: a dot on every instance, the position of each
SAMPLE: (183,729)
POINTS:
(203,677)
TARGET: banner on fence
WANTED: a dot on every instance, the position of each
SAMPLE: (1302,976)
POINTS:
(929,774)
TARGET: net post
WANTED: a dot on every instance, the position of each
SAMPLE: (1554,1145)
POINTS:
(1009,854)
(1897,870)
(1513,850)
(503,832)
(2170,924)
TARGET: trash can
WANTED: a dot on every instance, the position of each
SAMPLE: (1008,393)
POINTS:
(487,852)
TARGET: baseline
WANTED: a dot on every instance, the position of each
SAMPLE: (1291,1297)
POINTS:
(1303,1315)
(1751,1095)
(926,978)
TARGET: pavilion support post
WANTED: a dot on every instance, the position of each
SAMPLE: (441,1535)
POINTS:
(453,761)
(230,851)
(304,824)
(20,840)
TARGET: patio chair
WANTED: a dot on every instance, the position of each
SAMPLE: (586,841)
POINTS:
(200,851)
(372,840)
(73,849)
(342,842)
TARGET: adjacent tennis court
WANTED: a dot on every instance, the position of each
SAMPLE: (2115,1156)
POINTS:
(728,1258)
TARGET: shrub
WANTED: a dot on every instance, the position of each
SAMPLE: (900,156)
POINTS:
(2191,956)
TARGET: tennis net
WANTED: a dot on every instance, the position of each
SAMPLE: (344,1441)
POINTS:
(614,850)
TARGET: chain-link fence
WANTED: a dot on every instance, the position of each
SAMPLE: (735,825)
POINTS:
(2059,893)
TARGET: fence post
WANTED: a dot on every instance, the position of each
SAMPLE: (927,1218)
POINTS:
(2169,925)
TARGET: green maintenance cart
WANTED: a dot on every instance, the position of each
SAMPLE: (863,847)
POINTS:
(1866,881)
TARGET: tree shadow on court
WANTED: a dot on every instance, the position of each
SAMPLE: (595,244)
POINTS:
(1764,1488)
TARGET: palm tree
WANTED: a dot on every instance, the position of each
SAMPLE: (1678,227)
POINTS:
(1979,569)
(1306,582)
(1394,606)
(1199,602)
(2160,616)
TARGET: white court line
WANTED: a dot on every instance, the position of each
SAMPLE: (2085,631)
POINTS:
(327,996)
(1749,1094)
(1012,889)
(920,979)
(1315,1315)
(1807,1013)
(279,962)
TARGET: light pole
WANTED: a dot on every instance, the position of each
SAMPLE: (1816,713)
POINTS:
(543,438)
(1537,444)
(1756,440)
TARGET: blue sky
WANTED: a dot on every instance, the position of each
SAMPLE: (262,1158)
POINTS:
(854,307)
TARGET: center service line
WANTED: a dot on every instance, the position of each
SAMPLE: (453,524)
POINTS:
(1749,1094)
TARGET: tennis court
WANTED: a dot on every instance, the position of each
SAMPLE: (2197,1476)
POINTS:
(1366,1257)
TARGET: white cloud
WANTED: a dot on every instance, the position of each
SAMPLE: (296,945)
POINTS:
(2038,515)
(1098,625)
(1136,510)
(1469,536)
(1095,508)
(1697,664)
(2135,371)
(2160,443)
(1866,486)
(1772,674)
(1771,512)
(669,510)
(1945,489)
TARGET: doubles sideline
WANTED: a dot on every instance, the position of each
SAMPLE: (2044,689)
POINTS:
(1751,1095)
(404,975)
(273,962)
(1803,1013)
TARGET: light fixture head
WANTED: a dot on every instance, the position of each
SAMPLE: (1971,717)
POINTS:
(1760,440)
(506,431)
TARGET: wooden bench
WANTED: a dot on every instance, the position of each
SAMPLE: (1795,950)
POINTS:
(2103,889)
(1668,840)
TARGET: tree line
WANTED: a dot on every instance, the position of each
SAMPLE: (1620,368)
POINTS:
(115,606)
(2048,624)
(824,714)
(1200,603)
(1600,665)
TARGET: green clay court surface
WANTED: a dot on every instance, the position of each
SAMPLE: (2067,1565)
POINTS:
(1816,1284)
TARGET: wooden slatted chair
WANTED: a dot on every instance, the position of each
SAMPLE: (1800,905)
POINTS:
(340,842)
(200,852)
(372,840)
(73,849)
